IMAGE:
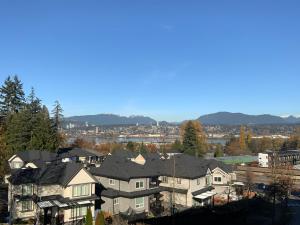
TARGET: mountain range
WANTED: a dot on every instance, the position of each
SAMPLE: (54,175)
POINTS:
(228,118)
(112,119)
(219,118)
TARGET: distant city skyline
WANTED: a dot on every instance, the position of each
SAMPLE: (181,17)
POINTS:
(170,60)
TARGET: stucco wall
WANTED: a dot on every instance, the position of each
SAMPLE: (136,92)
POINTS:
(127,186)
(186,184)
(124,205)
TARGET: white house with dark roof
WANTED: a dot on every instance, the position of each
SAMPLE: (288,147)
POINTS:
(57,193)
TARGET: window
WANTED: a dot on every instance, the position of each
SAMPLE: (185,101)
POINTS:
(112,182)
(16,165)
(78,212)
(139,184)
(116,201)
(27,206)
(198,181)
(164,179)
(81,190)
(218,179)
(178,180)
(139,202)
(27,189)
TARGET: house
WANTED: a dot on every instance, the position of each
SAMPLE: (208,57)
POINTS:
(38,158)
(131,184)
(61,186)
(142,183)
(31,158)
(288,157)
(80,155)
(58,192)
(188,182)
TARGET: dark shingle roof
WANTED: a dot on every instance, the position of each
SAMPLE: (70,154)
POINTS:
(61,173)
(32,155)
(74,152)
(120,166)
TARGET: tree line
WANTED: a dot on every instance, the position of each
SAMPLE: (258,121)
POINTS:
(246,144)
(25,123)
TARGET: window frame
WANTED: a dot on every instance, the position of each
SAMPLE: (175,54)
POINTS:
(77,211)
(198,181)
(178,180)
(80,186)
(27,209)
(140,205)
(164,179)
(24,187)
(116,201)
(138,183)
(218,179)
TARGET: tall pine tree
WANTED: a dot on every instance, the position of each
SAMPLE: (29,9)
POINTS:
(12,97)
(193,138)
(57,118)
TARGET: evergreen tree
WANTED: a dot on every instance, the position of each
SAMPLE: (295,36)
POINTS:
(143,149)
(190,139)
(12,97)
(57,118)
(4,155)
(194,139)
(42,133)
(27,124)
(18,131)
(130,146)
(242,140)
(57,115)
(89,217)
(219,151)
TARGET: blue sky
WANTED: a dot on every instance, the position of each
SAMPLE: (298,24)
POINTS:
(171,60)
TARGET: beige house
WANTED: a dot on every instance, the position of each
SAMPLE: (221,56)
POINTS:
(58,192)
(131,185)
